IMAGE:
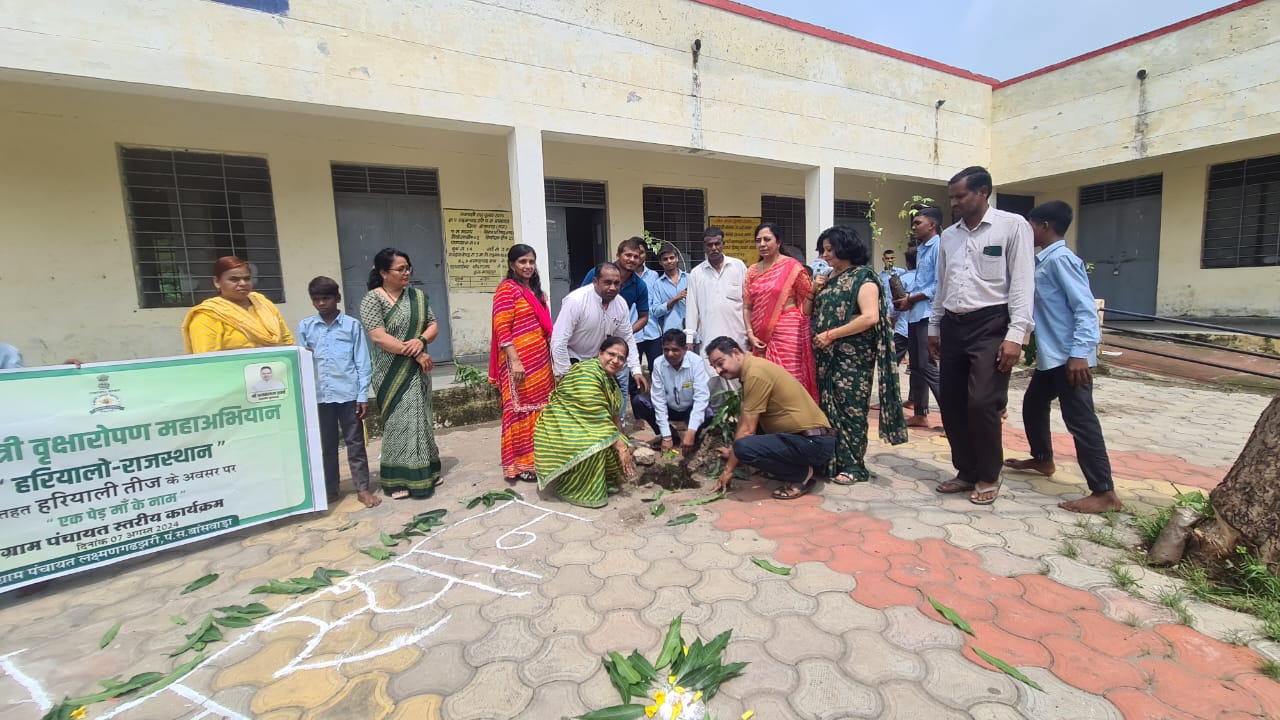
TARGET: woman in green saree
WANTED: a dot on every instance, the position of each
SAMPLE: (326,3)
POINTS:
(578,441)
(400,324)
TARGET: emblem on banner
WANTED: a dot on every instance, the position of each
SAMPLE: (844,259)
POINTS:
(105,398)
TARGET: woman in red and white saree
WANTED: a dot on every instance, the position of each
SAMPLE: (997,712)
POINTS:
(773,307)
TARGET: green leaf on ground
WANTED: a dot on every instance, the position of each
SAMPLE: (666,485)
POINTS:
(684,519)
(197,584)
(111,635)
(704,501)
(348,526)
(775,569)
(657,510)
(233,621)
(951,615)
(377,553)
(671,645)
(388,540)
(1008,669)
(656,496)
(176,620)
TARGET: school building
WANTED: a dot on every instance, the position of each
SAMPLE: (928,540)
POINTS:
(141,139)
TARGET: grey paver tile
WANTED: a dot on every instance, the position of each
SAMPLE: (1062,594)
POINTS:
(995,711)
(494,691)
(556,700)
(909,701)
(569,613)
(812,578)
(774,598)
(576,552)
(999,561)
(965,536)
(662,545)
(619,561)
(826,692)
(720,584)
(736,616)
(707,555)
(572,580)
(747,542)
(838,613)
(957,682)
(442,670)
(620,591)
(668,572)
(872,660)
(910,630)
(765,674)
(562,657)
(623,631)
(1073,573)
(795,639)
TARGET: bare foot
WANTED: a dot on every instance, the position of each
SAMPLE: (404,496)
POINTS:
(1044,467)
(368,498)
(1094,503)
(918,421)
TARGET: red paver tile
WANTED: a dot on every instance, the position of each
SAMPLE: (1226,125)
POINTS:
(1083,667)
(943,553)
(1117,639)
(912,570)
(981,583)
(1194,693)
(852,560)
(968,607)
(775,531)
(879,592)
(1053,596)
(833,534)
(1207,655)
(1265,690)
(879,542)
(732,519)
(862,522)
(1012,649)
(796,551)
(1026,620)
(1139,705)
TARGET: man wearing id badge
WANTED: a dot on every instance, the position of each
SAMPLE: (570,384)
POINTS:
(981,314)
(679,392)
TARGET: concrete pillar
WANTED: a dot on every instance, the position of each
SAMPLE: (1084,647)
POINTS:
(819,204)
(528,194)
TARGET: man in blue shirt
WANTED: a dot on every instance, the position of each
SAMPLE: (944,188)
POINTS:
(10,358)
(918,305)
(1066,337)
(680,392)
(337,343)
(667,292)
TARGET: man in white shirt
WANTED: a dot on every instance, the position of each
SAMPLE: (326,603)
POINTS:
(714,303)
(680,393)
(981,313)
(587,316)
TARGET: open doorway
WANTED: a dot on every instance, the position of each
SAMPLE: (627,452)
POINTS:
(577,235)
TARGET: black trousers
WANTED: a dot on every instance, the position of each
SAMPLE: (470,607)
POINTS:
(924,371)
(786,456)
(900,346)
(974,391)
(651,349)
(642,409)
(1076,404)
(332,417)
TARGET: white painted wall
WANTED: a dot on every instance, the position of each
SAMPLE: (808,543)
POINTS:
(1209,84)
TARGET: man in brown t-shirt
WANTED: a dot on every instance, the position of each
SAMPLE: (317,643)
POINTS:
(781,430)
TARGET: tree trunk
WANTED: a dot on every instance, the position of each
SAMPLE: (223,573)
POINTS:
(1247,502)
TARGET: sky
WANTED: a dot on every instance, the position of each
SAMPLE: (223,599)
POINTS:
(998,39)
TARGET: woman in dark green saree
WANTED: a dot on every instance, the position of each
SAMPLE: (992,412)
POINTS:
(400,324)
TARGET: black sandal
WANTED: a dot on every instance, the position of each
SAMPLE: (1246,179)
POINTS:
(791,491)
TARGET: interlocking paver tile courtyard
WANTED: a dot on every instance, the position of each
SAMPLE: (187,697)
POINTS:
(505,611)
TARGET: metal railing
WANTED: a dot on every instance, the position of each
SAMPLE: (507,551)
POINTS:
(1188,341)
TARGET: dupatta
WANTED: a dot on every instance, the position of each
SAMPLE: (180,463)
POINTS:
(251,323)
(404,320)
(768,292)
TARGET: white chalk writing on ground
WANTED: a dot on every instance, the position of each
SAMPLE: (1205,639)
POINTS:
(519,537)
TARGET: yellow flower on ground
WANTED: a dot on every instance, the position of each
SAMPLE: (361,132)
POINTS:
(748,715)
(660,697)
(80,713)
(697,696)
(649,710)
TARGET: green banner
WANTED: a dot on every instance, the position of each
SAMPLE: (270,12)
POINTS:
(115,460)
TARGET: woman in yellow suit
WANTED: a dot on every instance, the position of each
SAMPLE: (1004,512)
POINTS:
(237,317)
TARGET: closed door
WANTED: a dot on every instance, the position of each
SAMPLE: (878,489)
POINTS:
(1121,238)
(368,223)
(558,248)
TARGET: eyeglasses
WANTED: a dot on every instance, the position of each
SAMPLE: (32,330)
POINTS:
(407,269)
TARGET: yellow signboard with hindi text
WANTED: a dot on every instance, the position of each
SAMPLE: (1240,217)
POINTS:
(739,236)
(476,244)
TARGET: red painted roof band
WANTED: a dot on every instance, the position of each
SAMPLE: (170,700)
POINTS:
(839,37)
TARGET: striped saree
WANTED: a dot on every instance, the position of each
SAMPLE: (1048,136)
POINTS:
(575,435)
(784,330)
(517,322)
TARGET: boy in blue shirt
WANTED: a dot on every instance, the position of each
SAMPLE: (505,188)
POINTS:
(1067,337)
(343,372)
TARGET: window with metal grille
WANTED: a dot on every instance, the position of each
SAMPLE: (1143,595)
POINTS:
(1121,189)
(186,210)
(385,180)
(677,216)
(1242,214)
(788,214)
(574,193)
(852,210)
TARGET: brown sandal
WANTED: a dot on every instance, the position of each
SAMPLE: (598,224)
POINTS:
(954,486)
